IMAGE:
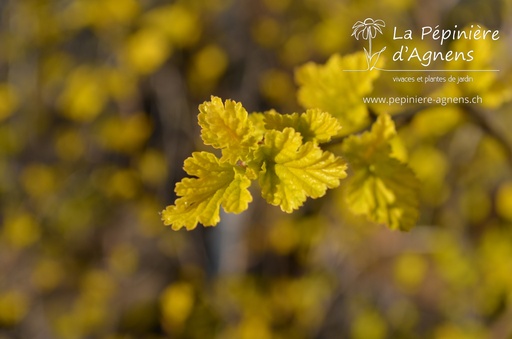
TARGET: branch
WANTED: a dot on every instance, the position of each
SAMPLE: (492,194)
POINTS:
(482,118)
(491,127)
(401,119)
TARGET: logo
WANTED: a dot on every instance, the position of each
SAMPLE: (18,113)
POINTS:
(412,58)
(367,30)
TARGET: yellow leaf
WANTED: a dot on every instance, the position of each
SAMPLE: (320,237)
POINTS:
(333,90)
(293,171)
(314,125)
(228,127)
(216,184)
(362,148)
(382,188)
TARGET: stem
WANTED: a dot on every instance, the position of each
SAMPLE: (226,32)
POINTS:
(370,47)
(400,119)
(369,56)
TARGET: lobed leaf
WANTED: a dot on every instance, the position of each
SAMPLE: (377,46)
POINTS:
(293,171)
(216,184)
(281,151)
(227,126)
(386,193)
(313,125)
(331,89)
(361,149)
(382,187)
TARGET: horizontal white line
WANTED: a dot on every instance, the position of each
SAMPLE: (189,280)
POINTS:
(423,70)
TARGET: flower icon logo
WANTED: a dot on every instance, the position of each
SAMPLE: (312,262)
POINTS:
(368,29)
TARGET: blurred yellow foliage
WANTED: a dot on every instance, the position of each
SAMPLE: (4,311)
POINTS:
(108,13)
(98,285)
(437,121)
(179,23)
(277,86)
(368,325)
(48,274)
(124,259)
(101,14)
(69,145)
(39,180)
(176,301)
(283,237)
(153,167)
(122,184)
(14,305)
(146,50)
(452,331)
(150,224)
(277,6)
(504,201)
(120,84)
(84,95)
(98,103)
(308,297)
(475,204)
(8,101)
(267,32)
(210,62)
(294,52)
(21,230)
(409,271)
(453,264)
(91,309)
(208,65)
(430,166)
(55,69)
(494,253)
(329,36)
(125,134)
(403,314)
(487,85)
(253,327)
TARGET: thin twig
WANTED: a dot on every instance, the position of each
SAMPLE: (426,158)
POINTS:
(401,119)
(484,120)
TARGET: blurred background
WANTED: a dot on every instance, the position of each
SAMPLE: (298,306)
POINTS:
(98,107)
